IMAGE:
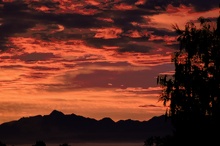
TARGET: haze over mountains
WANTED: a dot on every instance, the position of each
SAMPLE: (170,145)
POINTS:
(58,127)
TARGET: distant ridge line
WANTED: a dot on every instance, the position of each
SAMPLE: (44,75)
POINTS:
(57,127)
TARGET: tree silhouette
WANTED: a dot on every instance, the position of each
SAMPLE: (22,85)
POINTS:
(64,144)
(159,141)
(192,94)
(39,143)
(2,144)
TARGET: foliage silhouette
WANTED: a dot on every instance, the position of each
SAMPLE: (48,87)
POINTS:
(39,143)
(159,141)
(64,144)
(2,144)
(192,94)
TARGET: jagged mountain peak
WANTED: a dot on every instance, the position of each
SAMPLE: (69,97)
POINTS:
(56,113)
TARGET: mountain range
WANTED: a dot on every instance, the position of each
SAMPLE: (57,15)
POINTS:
(58,127)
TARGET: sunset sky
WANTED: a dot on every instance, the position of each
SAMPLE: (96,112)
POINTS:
(95,58)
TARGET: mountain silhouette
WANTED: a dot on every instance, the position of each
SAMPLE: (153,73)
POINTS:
(57,127)
(56,113)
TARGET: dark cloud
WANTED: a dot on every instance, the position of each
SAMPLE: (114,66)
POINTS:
(20,16)
(44,68)
(24,16)
(34,56)
(123,43)
(174,46)
(199,5)
(11,66)
(107,75)
(161,31)
(99,42)
(14,20)
(14,7)
(149,105)
(202,5)
(130,2)
(124,18)
(157,5)
(48,3)
(101,78)
(35,75)
(135,48)
(72,20)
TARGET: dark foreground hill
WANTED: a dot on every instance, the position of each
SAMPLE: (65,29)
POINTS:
(57,127)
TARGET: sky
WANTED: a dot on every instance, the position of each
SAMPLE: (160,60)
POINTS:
(95,58)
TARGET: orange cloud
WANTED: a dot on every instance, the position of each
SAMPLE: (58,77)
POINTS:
(140,2)
(123,6)
(107,33)
(135,34)
(179,16)
(106,19)
(93,2)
